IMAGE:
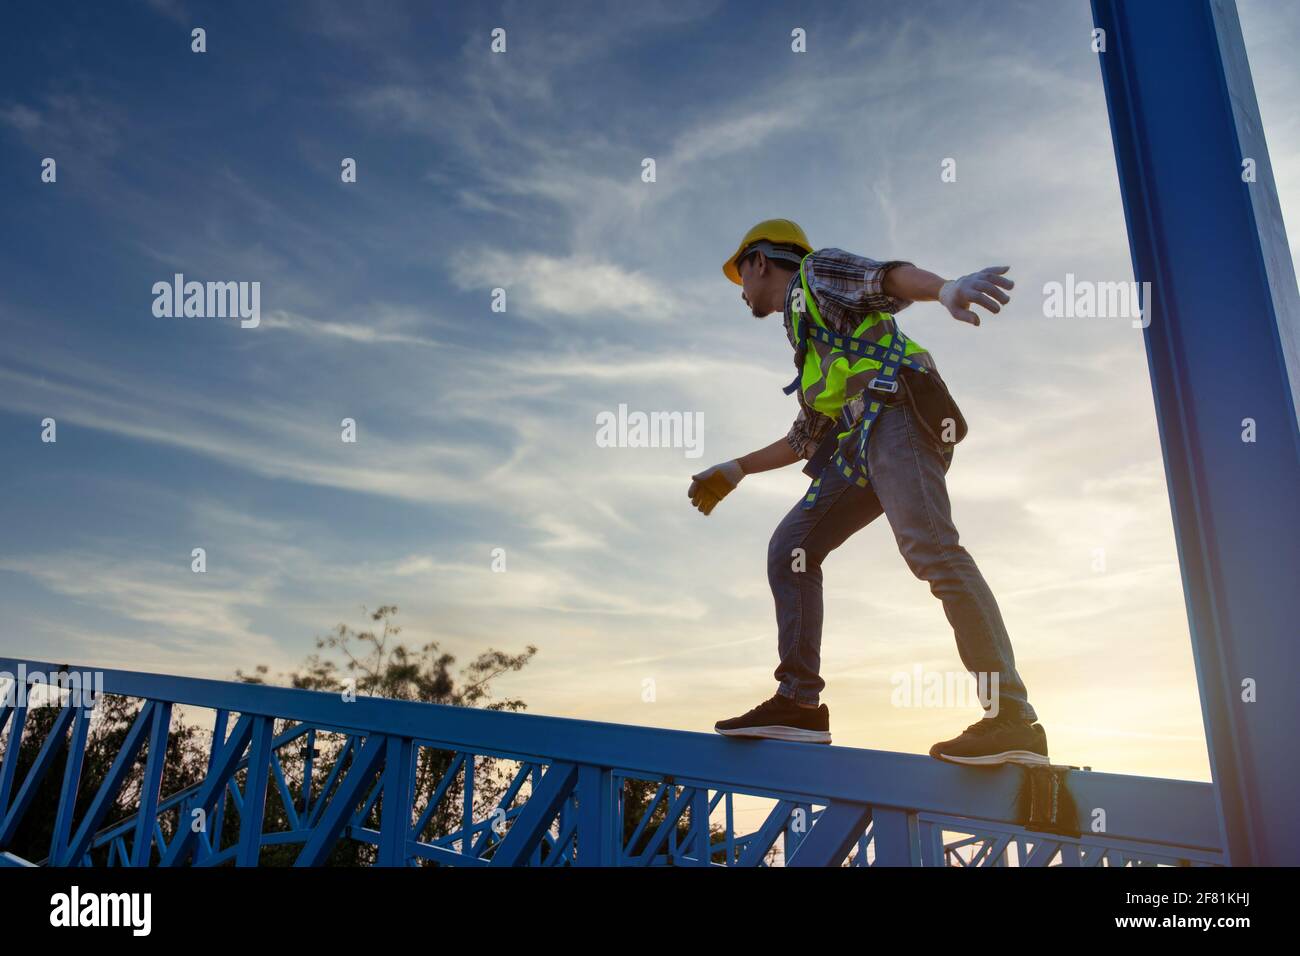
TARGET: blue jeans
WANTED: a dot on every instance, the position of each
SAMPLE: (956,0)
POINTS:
(907,485)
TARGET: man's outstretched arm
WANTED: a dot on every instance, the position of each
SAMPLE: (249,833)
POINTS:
(776,455)
(983,288)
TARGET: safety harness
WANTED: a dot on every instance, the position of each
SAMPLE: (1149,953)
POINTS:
(890,353)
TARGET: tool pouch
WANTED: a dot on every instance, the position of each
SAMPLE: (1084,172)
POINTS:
(934,407)
(1045,802)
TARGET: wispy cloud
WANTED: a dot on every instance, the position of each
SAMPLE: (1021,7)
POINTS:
(572,287)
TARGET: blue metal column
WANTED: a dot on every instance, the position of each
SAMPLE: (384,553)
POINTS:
(1223,347)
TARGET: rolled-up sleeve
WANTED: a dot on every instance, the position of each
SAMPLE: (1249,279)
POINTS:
(854,283)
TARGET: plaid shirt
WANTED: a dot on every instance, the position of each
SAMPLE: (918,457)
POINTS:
(846,287)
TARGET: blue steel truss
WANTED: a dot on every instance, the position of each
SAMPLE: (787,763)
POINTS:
(564,804)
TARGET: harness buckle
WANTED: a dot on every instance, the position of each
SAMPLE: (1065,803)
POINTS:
(884,385)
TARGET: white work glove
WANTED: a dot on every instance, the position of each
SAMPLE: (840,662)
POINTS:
(979,288)
(713,484)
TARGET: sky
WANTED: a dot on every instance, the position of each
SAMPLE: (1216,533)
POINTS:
(477,429)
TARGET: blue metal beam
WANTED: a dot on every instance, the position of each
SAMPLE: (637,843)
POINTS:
(701,845)
(395,820)
(154,761)
(225,759)
(598,836)
(53,743)
(897,837)
(76,848)
(71,784)
(253,809)
(539,813)
(1159,811)
(836,830)
(1223,348)
(369,759)
(9,769)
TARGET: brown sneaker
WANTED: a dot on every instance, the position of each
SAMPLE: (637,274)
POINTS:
(994,741)
(780,718)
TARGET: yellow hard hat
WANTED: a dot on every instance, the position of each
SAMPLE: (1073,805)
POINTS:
(779,232)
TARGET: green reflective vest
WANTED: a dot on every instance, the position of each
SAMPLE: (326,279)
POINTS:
(831,376)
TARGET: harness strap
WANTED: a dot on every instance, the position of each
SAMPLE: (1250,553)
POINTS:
(892,358)
(887,355)
(856,470)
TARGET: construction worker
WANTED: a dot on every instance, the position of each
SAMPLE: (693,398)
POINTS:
(878,427)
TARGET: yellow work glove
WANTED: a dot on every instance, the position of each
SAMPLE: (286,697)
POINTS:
(713,484)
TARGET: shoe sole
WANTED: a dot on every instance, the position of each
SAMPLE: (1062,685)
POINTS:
(1024,758)
(777,732)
